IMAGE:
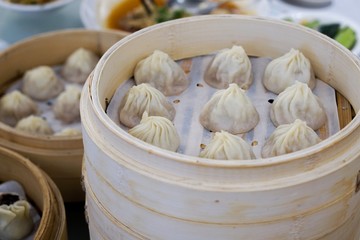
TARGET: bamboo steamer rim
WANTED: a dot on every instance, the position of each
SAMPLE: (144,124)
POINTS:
(60,216)
(96,202)
(36,40)
(50,203)
(68,31)
(29,166)
(94,83)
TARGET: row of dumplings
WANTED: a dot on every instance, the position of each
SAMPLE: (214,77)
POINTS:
(20,107)
(296,112)
(159,131)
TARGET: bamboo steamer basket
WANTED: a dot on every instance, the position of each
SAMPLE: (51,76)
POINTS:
(157,194)
(59,157)
(40,190)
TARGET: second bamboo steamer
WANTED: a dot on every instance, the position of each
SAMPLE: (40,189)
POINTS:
(60,157)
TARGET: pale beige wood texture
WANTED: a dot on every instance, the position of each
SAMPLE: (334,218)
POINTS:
(59,157)
(40,190)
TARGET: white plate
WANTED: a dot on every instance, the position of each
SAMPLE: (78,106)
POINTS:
(35,7)
(3,45)
(326,17)
(88,14)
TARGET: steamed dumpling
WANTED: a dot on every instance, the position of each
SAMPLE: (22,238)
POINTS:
(15,220)
(79,65)
(229,110)
(15,106)
(41,83)
(289,138)
(158,131)
(225,146)
(230,66)
(161,72)
(67,105)
(298,102)
(69,132)
(143,98)
(284,71)
(34,125)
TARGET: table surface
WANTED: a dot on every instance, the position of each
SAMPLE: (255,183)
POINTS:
(16,26)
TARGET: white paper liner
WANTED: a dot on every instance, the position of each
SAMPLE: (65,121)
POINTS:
(15,187)
(192,101)
(45,107)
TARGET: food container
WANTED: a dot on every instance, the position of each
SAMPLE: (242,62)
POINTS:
(110,14)
(34,7)
(59,157)
(311,3)
(139,191)
(40,190)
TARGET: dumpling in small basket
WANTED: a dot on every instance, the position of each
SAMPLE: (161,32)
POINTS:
(41,83)
(79,65)
(143,98)
(158,131)
(284,71)
(229,110)
(163,73)
(230,66)
(67,105)
(288,138)
(225,146)
(15,219)
(298,102)
(34,125)
(15,106)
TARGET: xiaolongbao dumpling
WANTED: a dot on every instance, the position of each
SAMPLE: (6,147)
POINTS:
(288,138)
(143,98)
(225,146)
(230,66)
(79,65)
(15,220)
(68,132)
(229,110)
(34,125)
(15,106)
(298,102)
(41,83)
(67,105)
(158,131)
(284,71)
(161,72)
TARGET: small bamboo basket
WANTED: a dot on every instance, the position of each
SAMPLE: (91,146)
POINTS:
(59,157)
(40,190)
(138,189)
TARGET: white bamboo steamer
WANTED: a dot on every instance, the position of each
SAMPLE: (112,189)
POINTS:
(157,194)
(60,157)
(99,217)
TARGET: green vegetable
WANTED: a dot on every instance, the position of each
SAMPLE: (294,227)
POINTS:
(329,30)
(180,13)
(346,37)
(312,24)
(289,19)
(164,14)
